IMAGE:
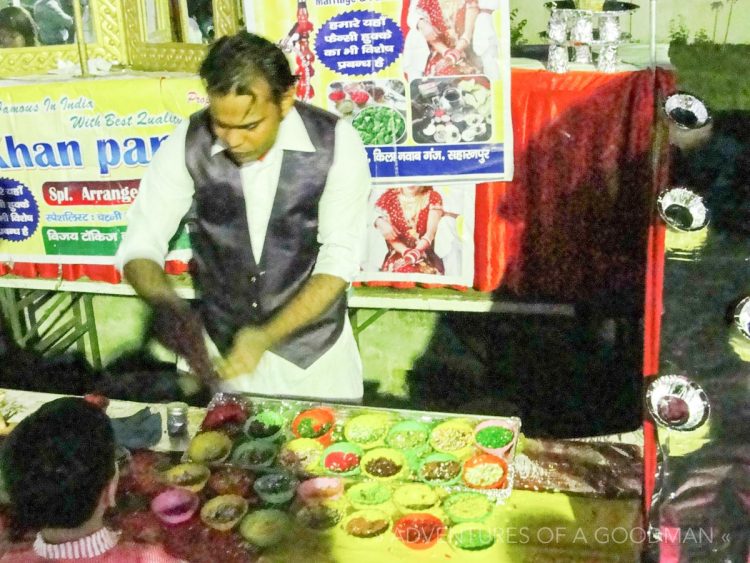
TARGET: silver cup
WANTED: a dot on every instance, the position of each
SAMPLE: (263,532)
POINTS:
(557,60)
(557,27)
(582,30)
(607,61)
(583,55)
(609,28)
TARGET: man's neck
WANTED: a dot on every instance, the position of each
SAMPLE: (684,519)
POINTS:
(63,535)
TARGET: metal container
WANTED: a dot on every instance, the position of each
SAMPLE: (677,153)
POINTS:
(177,419)
(557,61)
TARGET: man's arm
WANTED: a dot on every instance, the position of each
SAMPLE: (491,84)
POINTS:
(174,323)
(149,281)
(315,297)
(341,226)
(165,195)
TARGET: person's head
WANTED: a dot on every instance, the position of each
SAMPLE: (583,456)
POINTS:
(251,89)
(415,190)
(59,465)
(17,28)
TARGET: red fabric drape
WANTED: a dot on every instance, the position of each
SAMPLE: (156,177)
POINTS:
(574,221)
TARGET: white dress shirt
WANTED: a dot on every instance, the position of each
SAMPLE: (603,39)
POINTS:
(165,196)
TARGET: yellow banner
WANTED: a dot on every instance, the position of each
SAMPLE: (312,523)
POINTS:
(71,157)
(425,82)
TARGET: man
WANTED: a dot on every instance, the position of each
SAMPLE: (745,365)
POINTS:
(56,26)
(59,471)
(275,192)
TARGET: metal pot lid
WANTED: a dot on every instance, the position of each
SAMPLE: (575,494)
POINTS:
(682,209)
(677,403)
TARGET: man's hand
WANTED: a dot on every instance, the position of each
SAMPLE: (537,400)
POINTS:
(180,329)
(175,324)
(249,345)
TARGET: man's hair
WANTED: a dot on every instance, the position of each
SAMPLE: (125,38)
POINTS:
(234,62)
(19,20)
(57,462)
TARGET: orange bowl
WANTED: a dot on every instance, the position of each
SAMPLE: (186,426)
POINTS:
(491,466)
(319,418)
(419,530)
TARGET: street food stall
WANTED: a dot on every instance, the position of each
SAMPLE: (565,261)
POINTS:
(552,174)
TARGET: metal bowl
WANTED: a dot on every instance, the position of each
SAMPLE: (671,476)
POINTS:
(677,403)
(682,209)
(686,111)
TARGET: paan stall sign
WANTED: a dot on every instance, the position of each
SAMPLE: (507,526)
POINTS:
(71,160)
(424,82)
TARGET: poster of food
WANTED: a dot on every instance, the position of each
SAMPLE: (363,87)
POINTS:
(71,159)
(424,82)
(420,233)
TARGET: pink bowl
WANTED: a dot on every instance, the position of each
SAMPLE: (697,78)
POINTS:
(320,488)
(499,423)
(174,506)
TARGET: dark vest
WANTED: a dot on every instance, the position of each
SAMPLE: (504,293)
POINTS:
(236,288)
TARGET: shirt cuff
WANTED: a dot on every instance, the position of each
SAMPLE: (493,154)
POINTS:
(336,261)
(125,255)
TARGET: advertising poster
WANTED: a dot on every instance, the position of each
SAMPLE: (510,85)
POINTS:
(422,234)
(71,158)
(426,83)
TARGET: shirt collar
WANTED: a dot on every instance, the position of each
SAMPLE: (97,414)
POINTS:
(87,547)
(292,136)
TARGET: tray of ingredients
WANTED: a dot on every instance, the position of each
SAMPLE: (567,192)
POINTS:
(262,469)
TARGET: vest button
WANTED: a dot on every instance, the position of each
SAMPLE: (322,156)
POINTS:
(254,304)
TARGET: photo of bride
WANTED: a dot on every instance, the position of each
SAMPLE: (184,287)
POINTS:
(450,37)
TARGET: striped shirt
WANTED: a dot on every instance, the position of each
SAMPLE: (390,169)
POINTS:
(100,547)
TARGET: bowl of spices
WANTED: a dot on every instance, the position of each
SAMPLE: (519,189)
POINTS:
(384,464)
(175,506)
(265,527)
(275,488)
(485,471)
(316,424)
(224,512)
(366,524)
(369,494)
(321,516)
(495,436)
(454,436)
(419,530)
(266,426)
(301,455)
(367,430)
(467,507)
(342,458)
(212,447)
(254,454)
(409,436)
(440,469)
(190,476)
(320,489)
(415,497)
(471,536)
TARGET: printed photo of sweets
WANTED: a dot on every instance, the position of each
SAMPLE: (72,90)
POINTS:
(376,109)
(451,110)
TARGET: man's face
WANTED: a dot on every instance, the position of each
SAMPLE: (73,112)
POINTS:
(10,38)
(248,124)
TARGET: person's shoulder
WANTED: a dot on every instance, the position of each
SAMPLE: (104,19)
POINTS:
(305,107)
(24,555)
(140,553)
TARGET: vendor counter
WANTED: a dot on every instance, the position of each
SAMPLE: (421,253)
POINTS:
(571,501)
